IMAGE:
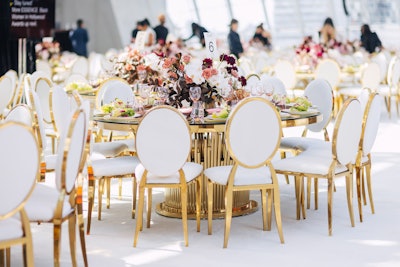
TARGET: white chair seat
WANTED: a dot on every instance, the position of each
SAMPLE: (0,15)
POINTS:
(50,161)
(311,161)
(42,203)
(109,149)
(301,143)
(191,170)
(114,166)
(243,176)
(385,90)
(351,91)
(10,228)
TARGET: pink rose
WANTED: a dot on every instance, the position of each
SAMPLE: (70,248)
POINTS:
(186,59)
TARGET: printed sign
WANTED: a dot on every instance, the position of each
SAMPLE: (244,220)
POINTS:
(211,45)
(32,18)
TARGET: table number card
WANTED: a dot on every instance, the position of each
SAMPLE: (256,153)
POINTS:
(140,40)
(211,45)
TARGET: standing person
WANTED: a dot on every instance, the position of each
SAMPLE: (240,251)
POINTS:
(135,31)
(370,40)
(198,31)
(150,34)
(262,37)
(79,39)
(235,46)
(161,30)
(327,33)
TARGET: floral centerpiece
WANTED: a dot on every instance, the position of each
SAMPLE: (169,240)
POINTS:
(217,79)
(131,66)
(309,53)
(47,50)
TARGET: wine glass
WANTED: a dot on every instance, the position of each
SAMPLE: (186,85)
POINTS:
(257,89)
(268,90)
(195,93)
(162,93)
(144,92)
(142,74)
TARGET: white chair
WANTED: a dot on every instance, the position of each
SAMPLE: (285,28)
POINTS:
(363,163)
(285,71)
(6,94)
(328,70)
(251,144)
(36,76)
(19,164)
(163,144)
(58,203)
(19,90)
(329,160)
(390,90)
(81,66)
(12,74)
(370,78)
(120,90)
(382,62)
(22,114)
(109,84)
(275,83)
(251,81)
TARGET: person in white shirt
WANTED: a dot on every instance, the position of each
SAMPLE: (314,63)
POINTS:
(150,33)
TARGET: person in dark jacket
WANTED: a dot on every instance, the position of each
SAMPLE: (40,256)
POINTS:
(161,30)
(370,40)
(235,46)
(79,39)
(198,31)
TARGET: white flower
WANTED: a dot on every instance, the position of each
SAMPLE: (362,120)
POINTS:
(153,61)
(194,71)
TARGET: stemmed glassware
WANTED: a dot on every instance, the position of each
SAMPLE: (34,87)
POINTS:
(144,92)
(162,93)
(197,114)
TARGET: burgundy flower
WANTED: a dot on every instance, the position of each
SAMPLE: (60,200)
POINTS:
(242,80)
(207,63)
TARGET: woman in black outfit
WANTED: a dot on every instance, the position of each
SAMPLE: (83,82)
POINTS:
(370,40)
(235,46)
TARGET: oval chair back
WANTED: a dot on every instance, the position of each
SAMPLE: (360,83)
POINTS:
(275,83)
(347,132)
(61,108)
(81,66)
(163,153)
(19,161)
(252,143)
(109,84)
(121,91)
(43,88)
(75,77)
(370,124)
(22,114)
(284,71)
(70,151)
(320,93)
(40,128)
(328,70)
(35,76)
(371,76)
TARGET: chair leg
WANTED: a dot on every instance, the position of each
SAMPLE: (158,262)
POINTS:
(72,241)
(134,192)
(358,184)
(315,193)
(184,197)
(368,175)
(139,218)
(277,207)
(264,208)
(303,207)
(8,256)
(283,156)
(2,257)
(149,205)
(228,214)
(108,181)
(297,193)
(308,192)
(120,188)
(57,244)
(349,191)
(198,201)
(269,208)
(330,195)
(100,197)
(27,247)
(81,229)
(210,192)
(91,194)
(364,196)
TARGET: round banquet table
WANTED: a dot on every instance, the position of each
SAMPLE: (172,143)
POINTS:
(208,149)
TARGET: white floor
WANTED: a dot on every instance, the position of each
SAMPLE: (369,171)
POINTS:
(375,242)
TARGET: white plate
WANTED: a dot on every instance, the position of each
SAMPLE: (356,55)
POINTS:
(295,112)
